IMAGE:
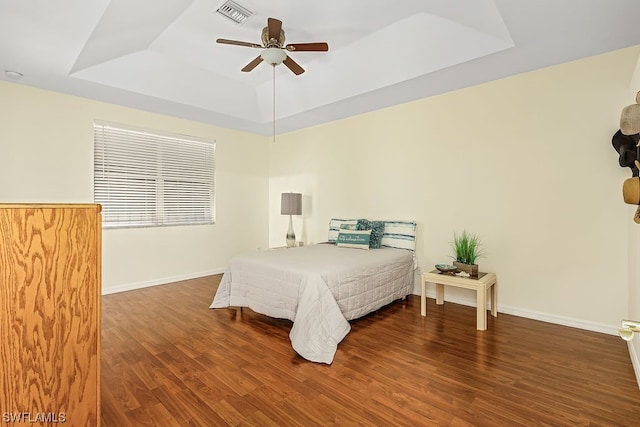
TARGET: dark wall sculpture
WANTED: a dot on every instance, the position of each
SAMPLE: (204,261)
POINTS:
(627,150)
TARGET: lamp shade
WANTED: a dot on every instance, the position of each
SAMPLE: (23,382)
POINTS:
(291,204)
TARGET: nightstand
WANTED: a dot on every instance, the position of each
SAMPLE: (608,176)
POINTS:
(485,281)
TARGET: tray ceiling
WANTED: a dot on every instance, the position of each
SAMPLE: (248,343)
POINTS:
(162,57)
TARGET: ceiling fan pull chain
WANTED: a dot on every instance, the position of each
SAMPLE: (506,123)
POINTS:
(274,102)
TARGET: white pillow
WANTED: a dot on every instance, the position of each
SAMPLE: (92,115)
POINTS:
(399,234)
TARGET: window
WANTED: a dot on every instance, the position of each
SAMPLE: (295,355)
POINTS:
(145,178)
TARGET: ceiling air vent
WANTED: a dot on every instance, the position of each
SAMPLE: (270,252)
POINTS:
(235,12)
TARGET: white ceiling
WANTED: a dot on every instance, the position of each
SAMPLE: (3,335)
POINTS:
(161,56)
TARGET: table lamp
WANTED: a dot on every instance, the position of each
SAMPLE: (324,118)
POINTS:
(291,204)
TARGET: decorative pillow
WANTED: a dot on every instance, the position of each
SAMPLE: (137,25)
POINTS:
(399,234)
(350,226)
(358,239)
(335,224)
(377,231)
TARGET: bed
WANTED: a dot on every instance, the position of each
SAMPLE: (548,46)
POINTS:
(321,287)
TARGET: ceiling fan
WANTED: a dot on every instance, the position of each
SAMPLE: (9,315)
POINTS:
(274,51)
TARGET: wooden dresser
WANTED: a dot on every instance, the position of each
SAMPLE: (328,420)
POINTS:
(50,290)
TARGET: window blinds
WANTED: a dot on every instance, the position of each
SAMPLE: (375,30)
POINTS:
(144,178)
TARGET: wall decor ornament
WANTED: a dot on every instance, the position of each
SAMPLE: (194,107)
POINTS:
(626,147)
(626,142)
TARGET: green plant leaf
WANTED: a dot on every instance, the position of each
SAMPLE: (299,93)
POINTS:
(467,247)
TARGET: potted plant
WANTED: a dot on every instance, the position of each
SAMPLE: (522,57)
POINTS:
(467,248)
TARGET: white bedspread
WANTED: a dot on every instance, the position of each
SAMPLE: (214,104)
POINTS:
(318,287)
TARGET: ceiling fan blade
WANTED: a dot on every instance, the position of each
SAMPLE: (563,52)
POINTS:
(237,43)
(275,25)
(253,64)
(308,47)
(293,66)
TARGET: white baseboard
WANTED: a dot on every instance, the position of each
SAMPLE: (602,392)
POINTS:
(634,358)
(634,353)
(529,314)
(537,315)
(161,281)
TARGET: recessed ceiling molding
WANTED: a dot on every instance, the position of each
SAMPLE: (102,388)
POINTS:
(175,83)
(127,27)
(165,59)
(419,45)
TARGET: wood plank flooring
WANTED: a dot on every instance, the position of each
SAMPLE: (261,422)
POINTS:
(168,360)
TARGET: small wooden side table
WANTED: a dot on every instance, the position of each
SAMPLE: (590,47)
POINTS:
(486,281)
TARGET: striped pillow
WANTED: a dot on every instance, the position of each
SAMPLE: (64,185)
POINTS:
(399,234)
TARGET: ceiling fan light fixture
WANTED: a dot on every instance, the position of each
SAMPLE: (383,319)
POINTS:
(273,50)
(273,55)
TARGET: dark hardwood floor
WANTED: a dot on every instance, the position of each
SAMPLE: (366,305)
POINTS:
(168,360)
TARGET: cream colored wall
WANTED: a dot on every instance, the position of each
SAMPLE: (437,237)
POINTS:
(634,251)
(634,290)
(46,155)
(526,162)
